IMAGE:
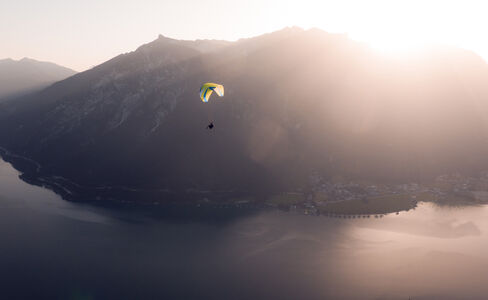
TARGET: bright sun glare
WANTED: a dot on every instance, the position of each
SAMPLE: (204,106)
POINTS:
(107,28)
(402,26)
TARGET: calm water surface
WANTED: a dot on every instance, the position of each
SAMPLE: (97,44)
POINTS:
(54,249)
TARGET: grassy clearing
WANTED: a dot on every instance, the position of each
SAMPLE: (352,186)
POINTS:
(286,199)
(370,205)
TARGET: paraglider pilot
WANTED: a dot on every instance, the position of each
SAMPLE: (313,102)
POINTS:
(206,90)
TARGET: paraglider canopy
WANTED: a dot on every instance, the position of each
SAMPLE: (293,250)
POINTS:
(208,88)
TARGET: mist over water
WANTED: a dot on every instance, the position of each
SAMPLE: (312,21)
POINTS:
(54,249)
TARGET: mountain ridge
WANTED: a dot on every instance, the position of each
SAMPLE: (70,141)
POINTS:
(27,75)
(297,101)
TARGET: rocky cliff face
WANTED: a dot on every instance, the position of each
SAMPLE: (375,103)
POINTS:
(295,101)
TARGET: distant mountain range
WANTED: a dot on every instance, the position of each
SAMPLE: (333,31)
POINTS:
(296,102)
(27,75)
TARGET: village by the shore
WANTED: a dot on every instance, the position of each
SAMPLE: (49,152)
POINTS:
(361,199)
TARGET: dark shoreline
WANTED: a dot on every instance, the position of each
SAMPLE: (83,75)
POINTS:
(31,173)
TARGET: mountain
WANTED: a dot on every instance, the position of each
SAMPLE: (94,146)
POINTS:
(296,102)
(27,75)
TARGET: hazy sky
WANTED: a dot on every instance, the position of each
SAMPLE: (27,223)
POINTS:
(81,34)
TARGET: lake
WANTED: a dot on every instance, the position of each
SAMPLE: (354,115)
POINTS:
(54,249)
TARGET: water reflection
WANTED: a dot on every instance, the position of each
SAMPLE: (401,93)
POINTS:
(54,249)
(17,193)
